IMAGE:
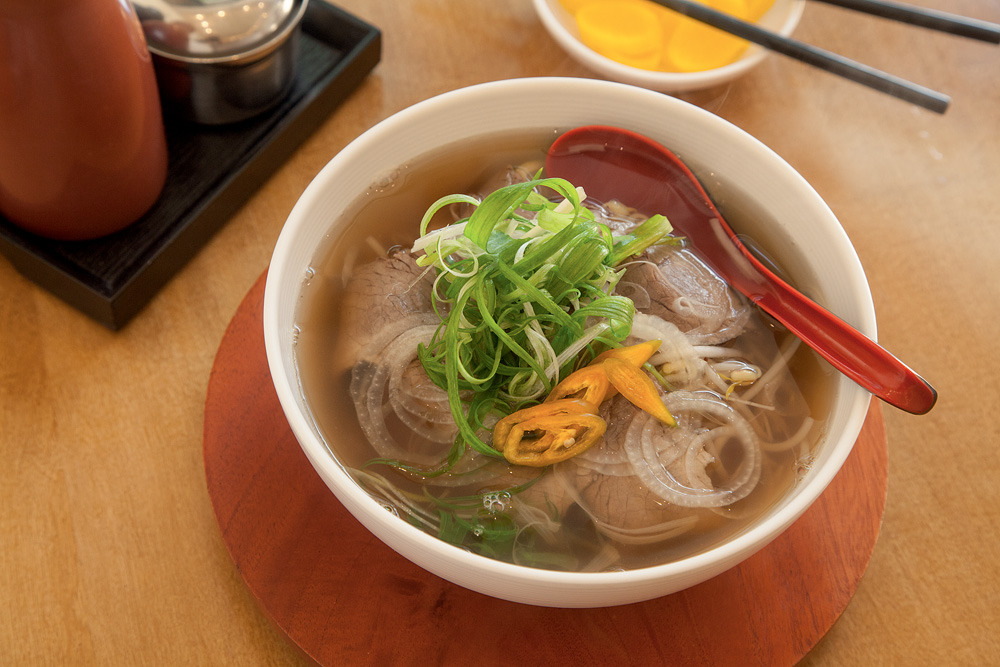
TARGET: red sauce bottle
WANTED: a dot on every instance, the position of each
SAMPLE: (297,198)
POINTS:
(82,145)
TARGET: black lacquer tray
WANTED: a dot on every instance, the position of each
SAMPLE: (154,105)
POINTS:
(213,170)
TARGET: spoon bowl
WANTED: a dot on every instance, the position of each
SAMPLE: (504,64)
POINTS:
(609,162)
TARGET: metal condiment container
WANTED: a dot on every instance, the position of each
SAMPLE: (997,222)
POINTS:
(222,61)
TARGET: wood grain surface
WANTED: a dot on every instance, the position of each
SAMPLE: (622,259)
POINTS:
(110,553)
(343,597)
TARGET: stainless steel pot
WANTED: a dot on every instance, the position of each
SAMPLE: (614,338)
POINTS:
(222,61)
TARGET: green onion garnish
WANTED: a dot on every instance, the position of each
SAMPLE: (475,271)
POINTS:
(524,286)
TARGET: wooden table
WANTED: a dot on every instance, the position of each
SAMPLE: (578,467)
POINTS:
(109,549)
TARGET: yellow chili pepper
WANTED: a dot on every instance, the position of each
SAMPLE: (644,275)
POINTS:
(638,388)
(567,422)
(589,383)
(636,355)
(548,433)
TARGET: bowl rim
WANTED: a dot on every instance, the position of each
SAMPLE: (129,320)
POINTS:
(394,531)
(663,81)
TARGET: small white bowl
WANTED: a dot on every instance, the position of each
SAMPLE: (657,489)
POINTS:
(803,235)
(782,18)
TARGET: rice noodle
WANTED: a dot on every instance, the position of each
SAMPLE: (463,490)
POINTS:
(534,518)
(386,492)
(680,362)
(779,365)
(603,560)
(651,534)
(791,442)
(647,534)
(613,469)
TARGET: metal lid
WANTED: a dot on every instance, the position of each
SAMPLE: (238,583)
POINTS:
(217,30)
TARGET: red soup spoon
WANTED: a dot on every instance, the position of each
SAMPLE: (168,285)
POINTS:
(610,162)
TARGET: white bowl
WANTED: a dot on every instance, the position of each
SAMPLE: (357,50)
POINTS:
(782,18)
(804,235)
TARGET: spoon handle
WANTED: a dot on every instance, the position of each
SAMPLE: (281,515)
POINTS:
(848,350)
(612,163)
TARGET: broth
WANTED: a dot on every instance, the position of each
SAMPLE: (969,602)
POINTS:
(570,508)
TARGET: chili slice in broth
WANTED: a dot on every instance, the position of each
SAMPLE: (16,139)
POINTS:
(548,433)
(567,423)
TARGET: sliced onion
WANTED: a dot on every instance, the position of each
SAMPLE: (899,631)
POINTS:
(426,411)
(368,390)
(679,361)
(789,443)
(645,452)
(697,458)
(373,347)
(654,435)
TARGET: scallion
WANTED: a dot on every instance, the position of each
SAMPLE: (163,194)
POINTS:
(524,286)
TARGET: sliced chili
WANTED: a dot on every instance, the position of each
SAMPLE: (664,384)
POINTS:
(590,384)
(548,433)
(637,354)
(542,441)
(638,388)
(567,423)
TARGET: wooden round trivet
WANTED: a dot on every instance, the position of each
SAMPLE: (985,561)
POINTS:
(345,598)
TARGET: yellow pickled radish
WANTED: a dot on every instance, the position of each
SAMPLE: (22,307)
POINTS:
(650,61)
(669,20)
(757,8)
(627,31)
(573,6)
(695,46)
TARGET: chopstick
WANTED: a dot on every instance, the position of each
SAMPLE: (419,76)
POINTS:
(925,18)
(815,56)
